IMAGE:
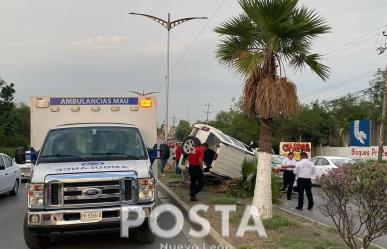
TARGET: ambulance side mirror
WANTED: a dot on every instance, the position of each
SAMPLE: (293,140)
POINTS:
(165,152)
(20,155)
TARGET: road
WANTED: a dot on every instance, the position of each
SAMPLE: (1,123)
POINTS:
(316,213)
(12,210)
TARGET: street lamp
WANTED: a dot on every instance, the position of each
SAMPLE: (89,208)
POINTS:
(168,25)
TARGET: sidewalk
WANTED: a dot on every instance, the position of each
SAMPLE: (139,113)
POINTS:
(316,213)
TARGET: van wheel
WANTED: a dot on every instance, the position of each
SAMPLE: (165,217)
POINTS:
(15,188)
(144,234)
(190,143)
(32,240)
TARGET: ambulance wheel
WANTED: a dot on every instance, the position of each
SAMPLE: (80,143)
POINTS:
(190,143)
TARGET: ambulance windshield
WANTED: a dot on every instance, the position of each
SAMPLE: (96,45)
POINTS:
(93,143)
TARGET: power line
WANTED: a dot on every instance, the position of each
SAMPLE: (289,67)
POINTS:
(353,43)
(350,80)
(198,36)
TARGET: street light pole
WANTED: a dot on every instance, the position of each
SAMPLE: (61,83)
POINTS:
(168,25)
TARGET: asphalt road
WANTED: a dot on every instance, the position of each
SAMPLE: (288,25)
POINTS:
(13,208)
(316,214)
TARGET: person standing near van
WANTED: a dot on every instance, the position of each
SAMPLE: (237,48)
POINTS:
(304,170)
(195,170)
(178,152)
(288,165)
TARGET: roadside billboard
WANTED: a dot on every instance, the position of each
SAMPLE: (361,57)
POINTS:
(360,133)
(296,148)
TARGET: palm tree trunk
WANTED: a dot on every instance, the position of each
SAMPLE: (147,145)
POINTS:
(262,194)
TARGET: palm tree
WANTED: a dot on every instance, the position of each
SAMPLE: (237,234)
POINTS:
(257,45)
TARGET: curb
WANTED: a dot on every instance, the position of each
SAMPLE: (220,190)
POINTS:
(317,222)
(214,236)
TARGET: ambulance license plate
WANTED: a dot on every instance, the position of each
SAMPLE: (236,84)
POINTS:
(94,216)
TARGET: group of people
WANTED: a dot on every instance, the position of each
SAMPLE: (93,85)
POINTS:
(303,170)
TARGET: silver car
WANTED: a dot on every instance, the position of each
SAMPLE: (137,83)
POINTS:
(10,176)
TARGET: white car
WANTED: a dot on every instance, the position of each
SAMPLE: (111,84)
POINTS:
(326,163)
(9,175)
(225,154)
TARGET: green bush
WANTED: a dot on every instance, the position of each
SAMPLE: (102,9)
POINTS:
(362,188)
(244,186)
(10,151)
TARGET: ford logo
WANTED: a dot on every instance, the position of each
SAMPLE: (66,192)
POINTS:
(92,192)
(92,163)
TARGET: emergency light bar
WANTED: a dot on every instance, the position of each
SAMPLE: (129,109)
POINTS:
(146,103)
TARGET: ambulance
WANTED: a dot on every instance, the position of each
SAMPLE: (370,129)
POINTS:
(92,157)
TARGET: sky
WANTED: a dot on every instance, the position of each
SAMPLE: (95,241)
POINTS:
(94,48)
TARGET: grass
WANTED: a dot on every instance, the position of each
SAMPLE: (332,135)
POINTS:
(306,242)
(278,221)
(284,230)
(224,200)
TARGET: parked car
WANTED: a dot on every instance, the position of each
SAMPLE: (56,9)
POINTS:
(229,153)
(326,163)
(9,175)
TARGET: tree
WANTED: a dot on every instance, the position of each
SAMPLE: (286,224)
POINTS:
(257,44)
(183,130)
(356,201)
(14,120)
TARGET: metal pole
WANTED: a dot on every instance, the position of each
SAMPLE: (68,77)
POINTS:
(381,131)
(167,86)
(168,25)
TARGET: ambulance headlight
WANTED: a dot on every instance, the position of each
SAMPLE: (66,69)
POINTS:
(35,195)
(145,189)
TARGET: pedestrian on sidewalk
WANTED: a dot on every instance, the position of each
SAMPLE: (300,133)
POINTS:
(304,170)
(288,165)
(178,153)
(195,170)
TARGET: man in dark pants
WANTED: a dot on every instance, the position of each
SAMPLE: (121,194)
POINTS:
(208,157)
(304,170)
(288,165)
(195,170)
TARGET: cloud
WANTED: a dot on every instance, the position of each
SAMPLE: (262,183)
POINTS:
(98,42)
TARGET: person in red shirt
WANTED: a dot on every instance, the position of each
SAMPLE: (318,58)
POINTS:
(177,157)
(195,170)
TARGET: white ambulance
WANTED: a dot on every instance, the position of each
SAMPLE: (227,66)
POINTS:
(92,159)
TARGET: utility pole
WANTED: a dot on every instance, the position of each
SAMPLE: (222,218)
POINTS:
(188,116)
(381,131)
(168,24)
(207,111)
(174,119)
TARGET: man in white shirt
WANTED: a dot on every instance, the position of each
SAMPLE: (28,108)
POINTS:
(288,165)
(304,170)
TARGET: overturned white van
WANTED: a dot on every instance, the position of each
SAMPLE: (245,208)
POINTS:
(227,153)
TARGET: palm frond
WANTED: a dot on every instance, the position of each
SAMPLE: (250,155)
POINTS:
(299,61)
(249,91)
(240,26)
(236,54)
(276,98)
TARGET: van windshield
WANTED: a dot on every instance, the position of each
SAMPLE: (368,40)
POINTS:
(93,143)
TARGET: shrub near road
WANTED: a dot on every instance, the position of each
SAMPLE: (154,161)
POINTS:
(355,198)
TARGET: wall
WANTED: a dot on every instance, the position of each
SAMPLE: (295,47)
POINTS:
(332,151)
